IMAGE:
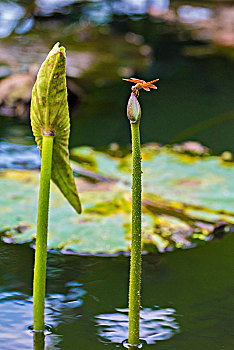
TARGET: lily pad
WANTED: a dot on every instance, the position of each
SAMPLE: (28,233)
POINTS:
(186,199)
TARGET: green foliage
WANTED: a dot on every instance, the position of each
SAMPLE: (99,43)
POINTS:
(184,198)
(50,116)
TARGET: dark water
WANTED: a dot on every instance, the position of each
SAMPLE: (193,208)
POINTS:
(186,298)
(189,105)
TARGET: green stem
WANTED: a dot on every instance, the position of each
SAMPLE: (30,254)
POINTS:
(41,241)
(135,265)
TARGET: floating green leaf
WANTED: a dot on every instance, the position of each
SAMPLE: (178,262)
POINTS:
(50,116)
(185,201)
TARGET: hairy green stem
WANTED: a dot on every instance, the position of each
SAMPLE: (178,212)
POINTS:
(135,265)
(41,240)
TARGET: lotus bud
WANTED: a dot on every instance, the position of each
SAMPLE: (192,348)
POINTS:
(133,109)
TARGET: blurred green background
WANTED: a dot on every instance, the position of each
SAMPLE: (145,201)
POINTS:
(189,45)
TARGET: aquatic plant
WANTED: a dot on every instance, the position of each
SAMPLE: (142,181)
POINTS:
(51,127)
(134,115)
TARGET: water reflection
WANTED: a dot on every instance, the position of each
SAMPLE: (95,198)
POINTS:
(13,14)
(15,156)
(203,302)
(47,7)
(191,14)
(21,16)
(65,307)
(10,14)
(155,324)
(16,310)
(25,25)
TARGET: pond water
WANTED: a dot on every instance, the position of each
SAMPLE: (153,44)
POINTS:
(186,299)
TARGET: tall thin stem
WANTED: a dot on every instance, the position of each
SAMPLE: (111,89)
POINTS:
(41,241)
(135,265)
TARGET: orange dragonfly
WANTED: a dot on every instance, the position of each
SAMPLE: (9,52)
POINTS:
(141,84)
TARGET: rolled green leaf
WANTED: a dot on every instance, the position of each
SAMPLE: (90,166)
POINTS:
(50,116)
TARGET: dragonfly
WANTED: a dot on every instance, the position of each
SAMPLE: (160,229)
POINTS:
(141,84)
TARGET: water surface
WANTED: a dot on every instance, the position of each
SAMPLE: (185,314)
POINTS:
(186,299)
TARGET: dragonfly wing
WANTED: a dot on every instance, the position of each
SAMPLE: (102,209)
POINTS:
(128,80)
(135,80)
(145,87)
(151,86)
(138,81)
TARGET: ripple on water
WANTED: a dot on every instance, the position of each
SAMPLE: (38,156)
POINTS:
(155,325)
(16,310)
(16,315)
